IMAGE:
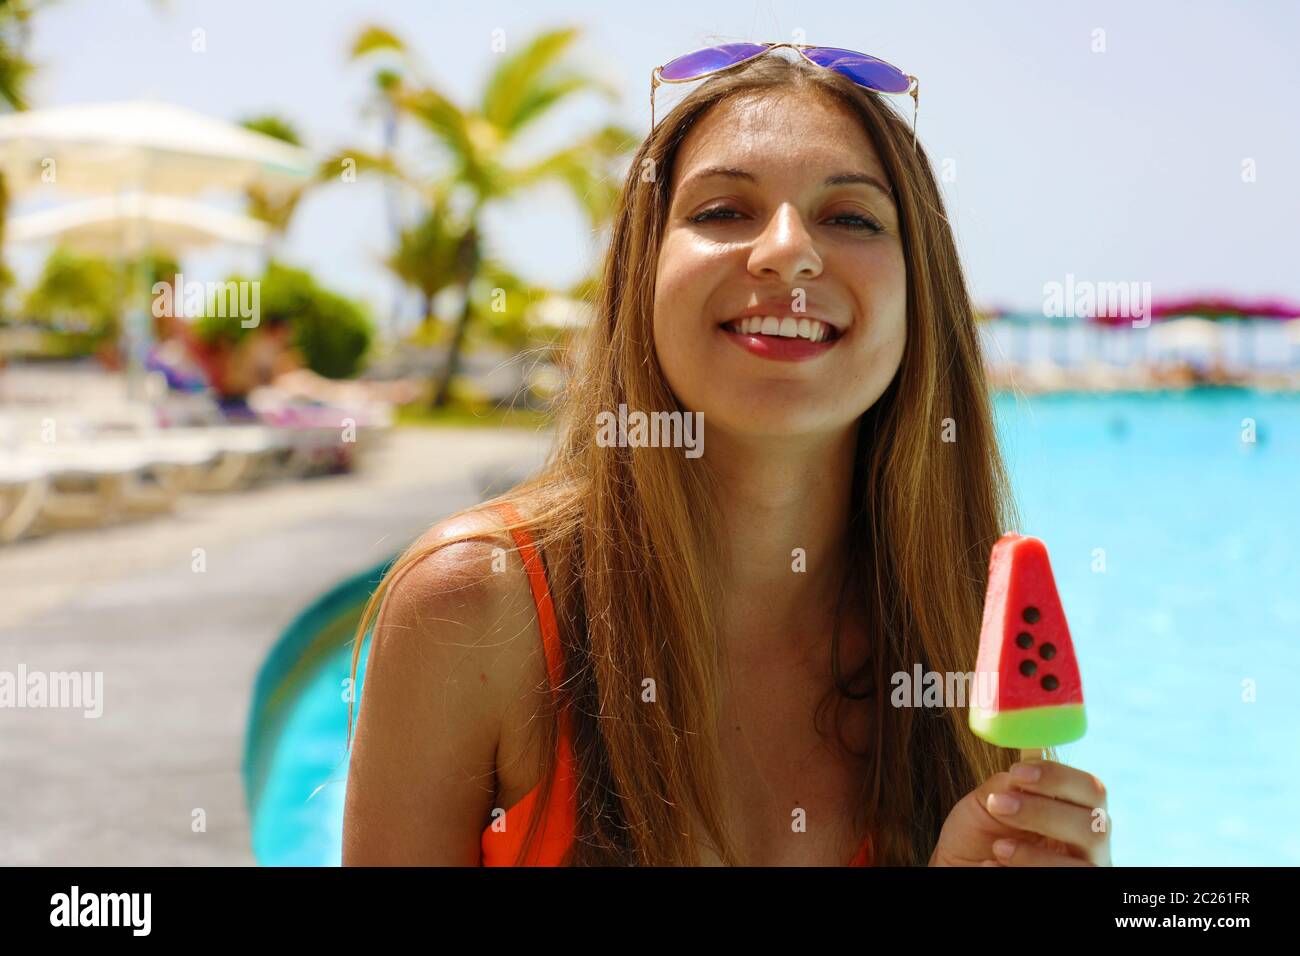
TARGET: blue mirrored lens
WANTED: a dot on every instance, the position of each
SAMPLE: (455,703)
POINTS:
(860,68)
(709,59)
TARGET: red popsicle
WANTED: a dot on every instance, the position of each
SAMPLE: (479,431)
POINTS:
(1026,657)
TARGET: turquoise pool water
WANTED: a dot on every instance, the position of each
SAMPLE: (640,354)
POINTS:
(1198,604)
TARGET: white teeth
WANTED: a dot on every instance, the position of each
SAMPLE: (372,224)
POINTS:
(787,327)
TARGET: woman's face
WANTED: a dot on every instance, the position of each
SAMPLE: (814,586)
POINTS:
(780,208)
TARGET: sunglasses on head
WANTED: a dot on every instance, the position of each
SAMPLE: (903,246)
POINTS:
(869,72)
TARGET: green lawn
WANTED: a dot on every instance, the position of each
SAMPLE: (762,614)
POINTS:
(473,416)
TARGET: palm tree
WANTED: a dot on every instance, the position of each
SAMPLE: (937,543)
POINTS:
(425,258)
(522,90)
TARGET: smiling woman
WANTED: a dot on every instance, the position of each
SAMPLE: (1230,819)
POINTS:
(797,224)
(708,641)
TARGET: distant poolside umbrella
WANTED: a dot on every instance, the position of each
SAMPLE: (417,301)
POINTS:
(1190,334)
(119,224)
(107,147)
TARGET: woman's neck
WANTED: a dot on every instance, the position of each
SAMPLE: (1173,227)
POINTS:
(784,511)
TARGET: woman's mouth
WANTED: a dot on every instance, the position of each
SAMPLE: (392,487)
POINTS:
(782,338)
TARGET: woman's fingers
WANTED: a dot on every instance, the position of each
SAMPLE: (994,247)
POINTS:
(1022,853)
(1053,779)
(1057,819)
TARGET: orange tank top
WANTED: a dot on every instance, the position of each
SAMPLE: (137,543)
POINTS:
(503,839)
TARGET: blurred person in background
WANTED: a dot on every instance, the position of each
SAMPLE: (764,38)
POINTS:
(264,358)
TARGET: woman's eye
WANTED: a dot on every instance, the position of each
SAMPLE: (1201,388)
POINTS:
(726,212)
(712,214)
(861,222)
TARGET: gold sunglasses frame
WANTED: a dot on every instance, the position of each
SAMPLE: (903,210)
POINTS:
(913,88)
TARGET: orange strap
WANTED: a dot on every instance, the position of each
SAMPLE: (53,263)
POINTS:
(541,596)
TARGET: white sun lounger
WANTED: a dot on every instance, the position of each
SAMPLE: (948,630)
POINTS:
(245,454)
(95,482)
(23,487)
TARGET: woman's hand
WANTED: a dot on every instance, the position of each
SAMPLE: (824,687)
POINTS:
(1058,819)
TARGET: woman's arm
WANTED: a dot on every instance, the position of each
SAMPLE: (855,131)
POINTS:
(422,774)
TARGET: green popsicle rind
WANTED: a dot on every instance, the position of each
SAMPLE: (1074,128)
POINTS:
(1030,726)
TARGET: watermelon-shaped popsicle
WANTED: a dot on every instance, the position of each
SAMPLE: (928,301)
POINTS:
(1026,657)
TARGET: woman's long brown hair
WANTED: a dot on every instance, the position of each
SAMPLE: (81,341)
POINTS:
(631,542)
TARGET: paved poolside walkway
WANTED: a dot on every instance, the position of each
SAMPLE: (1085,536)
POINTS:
(179,650)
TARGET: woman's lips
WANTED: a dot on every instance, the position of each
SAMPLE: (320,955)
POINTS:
(779,348)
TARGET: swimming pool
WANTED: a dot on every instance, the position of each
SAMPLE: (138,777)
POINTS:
(1175,544)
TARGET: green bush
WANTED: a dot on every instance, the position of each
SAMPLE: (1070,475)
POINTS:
(79,298)
(77,294)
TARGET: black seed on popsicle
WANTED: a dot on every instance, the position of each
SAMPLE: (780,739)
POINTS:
(1025,639)
(1031,615)
(1050,683)
(1047,651)
(1027,667)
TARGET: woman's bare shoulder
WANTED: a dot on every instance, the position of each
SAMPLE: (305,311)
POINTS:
(450,655)
(476,567)
(473,593)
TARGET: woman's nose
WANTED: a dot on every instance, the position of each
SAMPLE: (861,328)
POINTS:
(785,248)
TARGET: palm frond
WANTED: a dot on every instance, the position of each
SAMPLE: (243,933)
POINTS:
(440,116)
(511,82)
(373,37)
(551,90)
(332,167)
(586,167)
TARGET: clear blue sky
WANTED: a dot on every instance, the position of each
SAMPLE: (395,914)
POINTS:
(1119,165)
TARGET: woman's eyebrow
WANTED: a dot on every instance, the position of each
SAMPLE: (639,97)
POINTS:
(735,172)
(842,179)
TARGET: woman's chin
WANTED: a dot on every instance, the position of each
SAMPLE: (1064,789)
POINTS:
(765,420)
